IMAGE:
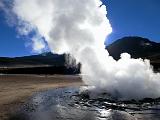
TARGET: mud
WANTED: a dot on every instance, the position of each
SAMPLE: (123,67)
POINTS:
(68,104)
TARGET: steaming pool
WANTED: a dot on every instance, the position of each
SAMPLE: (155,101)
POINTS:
(68,104)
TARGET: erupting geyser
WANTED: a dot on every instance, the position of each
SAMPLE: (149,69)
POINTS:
(80,27)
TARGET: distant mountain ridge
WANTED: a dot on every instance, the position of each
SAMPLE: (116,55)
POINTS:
(136,46)
(45,63)
(51,63)
(44,59)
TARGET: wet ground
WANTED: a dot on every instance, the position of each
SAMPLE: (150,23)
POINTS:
(68,104)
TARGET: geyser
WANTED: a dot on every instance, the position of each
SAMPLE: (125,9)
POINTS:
(80,27)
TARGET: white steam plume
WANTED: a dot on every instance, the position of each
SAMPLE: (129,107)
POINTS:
(79,27)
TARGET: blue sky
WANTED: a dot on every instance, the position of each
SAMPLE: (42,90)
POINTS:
(134,18)
(127,17)
(11,45)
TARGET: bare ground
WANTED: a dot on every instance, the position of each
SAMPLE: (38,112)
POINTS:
(15,89)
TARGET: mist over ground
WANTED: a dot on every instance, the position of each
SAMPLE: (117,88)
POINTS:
(80,27)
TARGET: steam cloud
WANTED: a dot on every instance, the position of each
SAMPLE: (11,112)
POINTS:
(80,27)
